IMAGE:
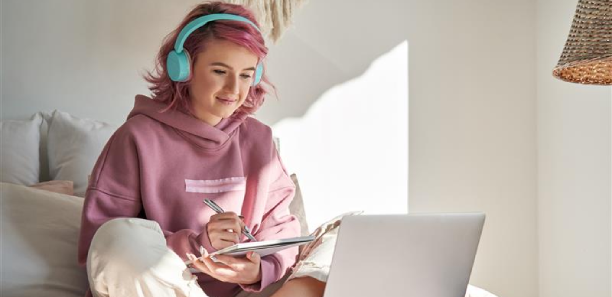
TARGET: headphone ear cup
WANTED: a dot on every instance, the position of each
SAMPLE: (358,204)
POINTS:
(177,65)
(258,74)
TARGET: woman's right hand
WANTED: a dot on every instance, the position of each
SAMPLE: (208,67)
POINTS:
(224,229)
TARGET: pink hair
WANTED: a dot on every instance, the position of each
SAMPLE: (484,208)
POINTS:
(176,94)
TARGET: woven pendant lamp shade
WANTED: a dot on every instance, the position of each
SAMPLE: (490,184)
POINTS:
(587,56)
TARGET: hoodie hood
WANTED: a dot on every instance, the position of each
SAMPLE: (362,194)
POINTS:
(196,131)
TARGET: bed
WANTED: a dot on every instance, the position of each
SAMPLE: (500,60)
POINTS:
(46,161)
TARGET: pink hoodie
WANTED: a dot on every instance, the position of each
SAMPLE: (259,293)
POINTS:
(160,166)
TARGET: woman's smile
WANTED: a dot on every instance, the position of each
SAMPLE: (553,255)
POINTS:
(227,100)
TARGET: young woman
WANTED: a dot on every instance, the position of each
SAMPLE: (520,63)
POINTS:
(143,215)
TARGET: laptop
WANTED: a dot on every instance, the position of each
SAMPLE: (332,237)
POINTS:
(420,255)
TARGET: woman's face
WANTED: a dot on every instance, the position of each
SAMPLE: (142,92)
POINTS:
(222,76)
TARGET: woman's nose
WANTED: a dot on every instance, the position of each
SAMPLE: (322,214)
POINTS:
(231,84)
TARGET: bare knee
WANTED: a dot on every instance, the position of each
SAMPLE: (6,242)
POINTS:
(301,287)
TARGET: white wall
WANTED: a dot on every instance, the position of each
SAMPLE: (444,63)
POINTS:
(472,128)
(472,92)
(574,161)
(83,57)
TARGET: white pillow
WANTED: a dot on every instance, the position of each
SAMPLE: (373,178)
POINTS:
(73,147)
(40,231)
(20,151)
(296,207)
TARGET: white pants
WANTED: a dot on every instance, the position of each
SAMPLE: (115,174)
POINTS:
(128,257)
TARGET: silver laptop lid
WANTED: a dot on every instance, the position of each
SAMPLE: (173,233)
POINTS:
(424,255)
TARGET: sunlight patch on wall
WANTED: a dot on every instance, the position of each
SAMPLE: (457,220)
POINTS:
(350,150)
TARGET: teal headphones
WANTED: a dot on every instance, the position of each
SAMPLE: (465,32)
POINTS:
(178,59)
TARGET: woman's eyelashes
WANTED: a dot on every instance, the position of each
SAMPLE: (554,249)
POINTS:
(222,72)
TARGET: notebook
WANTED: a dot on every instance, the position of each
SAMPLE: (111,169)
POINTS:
(263,248)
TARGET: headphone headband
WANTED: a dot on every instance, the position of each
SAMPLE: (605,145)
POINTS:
(203,20)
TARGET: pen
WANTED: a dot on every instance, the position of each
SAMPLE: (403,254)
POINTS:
(218,209)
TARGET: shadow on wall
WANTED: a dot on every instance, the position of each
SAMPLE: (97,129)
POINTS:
(327,45)
(350,149)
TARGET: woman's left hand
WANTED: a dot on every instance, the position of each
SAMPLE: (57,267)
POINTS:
(237,270)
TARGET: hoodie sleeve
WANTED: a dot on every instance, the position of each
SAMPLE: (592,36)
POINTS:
(188,241)
(114,192)
(113,189)
(277,223)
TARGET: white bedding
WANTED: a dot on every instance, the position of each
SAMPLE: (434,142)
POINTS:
(39,232)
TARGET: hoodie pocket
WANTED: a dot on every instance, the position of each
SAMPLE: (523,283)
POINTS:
(228,193)
(230,184)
